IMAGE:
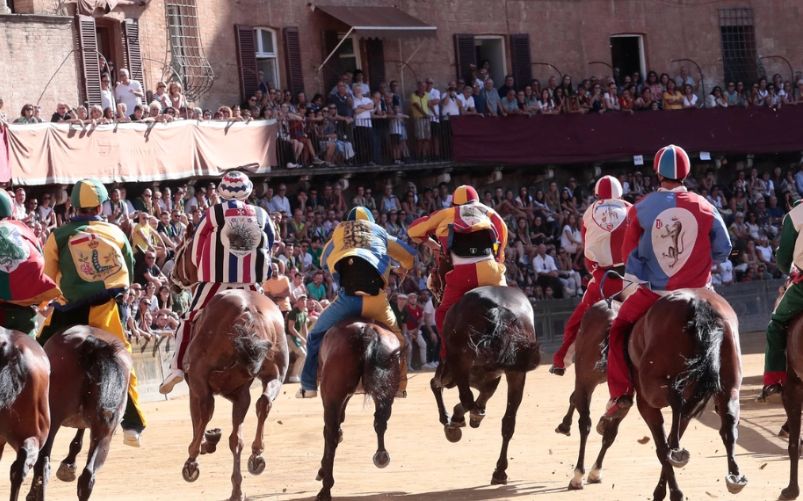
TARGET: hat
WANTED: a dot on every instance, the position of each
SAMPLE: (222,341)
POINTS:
(361,214)
(235,186)
(6,205)
(672,162)
(608,187)
(88,193)
(464,194)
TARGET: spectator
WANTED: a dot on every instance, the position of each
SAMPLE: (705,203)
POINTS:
(689,97)
(672,98)
(62,114)
(297,329)
(421,113)
(716,99)
(26,115)
(490,102)
(413,319)
(547,271)
(316,289)
(127,91)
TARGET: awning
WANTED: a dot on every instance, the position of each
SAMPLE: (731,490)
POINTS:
(379,22)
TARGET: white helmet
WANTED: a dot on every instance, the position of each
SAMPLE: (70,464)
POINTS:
(608,187)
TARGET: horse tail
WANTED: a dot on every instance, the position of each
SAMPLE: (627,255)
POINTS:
(509,345)
(379,361)
(702,369)
(106,374)
(251,350)
(13,374)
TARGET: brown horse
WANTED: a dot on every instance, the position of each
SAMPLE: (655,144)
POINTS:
(792,398)
(88,389)
(489,332)
(238,337)
(24,384)
(589,372)
(351,352)
(684,351)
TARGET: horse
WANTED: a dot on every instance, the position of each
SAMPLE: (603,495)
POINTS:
(684,351)
(238,337)
(489,332)
(88,389)
(24,388)
(589,372)
(354,351)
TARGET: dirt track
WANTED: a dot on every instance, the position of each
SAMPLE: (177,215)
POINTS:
(424,466)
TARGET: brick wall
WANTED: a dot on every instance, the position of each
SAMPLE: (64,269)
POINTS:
(31,50)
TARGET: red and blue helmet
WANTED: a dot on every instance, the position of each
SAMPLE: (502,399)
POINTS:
(672,162)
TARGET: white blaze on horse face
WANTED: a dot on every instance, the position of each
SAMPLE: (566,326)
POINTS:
(674,233)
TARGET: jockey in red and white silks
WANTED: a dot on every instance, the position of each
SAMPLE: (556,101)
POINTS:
(231,250)
(603,233)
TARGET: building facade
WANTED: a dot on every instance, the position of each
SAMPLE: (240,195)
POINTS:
(54,50)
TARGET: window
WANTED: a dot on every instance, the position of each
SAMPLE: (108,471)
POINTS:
(738,44)
(491,49)
(627,54)
(267,56)
(188,62)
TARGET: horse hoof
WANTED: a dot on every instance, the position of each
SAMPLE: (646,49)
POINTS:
(211,439)
(499,478)
(563,429)
(595,476)
(454,423)
(789,493)
(475,418)
(735,483)
(235,497)
(190,472)
(678,457)
(323,496)
(256,465)
(381,459)
(575,486)
(453,433)
(66,472)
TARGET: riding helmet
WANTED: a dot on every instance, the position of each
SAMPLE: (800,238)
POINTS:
(360,214)
(672,162)
(608,187)
(88,193)
(6,204)
(235,186)
(464,194)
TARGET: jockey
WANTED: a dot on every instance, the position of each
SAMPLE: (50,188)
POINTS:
(23,282)
(664,230)
(603,233)
(358,256)
(93,264)
(475,237)
(790,260)
(231,250)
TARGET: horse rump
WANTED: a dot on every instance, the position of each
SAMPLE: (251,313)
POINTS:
(508,343)
(13,373)
(702,370)
(105,373)
(250,349)
(379,378)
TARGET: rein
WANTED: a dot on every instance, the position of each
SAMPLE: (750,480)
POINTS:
(182,283)
(609,299)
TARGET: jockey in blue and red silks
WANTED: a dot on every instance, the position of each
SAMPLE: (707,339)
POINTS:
(672,239)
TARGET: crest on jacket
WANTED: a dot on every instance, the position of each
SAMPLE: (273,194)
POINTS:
(241,233)
(95,258)
(674,233)
(13,248)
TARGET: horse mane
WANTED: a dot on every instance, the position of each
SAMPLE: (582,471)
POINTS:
(13,373)
(706,326)
(103,370)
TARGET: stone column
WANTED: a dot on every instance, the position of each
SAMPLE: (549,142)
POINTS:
(4,8)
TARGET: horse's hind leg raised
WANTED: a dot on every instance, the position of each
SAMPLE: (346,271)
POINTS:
(655,421)
(728,405)
(256,463)
(27,455)
(515,391)
(792,397)
(99,442)
(202,406)
(565,426)
(67,468)
(677,456)
(487,390)
(241,402)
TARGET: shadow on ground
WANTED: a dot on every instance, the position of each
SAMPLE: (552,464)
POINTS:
(477,493)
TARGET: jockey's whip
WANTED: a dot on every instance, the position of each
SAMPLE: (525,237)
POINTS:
(609,299)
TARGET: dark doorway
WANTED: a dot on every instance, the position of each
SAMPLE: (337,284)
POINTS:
(627,55)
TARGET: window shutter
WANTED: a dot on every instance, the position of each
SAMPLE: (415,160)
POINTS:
(375,51)
(246,60)
(132,49)
(465,54)
(332,70)
(89,58)
(520,59)
(292,55)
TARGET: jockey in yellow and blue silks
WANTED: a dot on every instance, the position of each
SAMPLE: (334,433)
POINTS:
(359,257)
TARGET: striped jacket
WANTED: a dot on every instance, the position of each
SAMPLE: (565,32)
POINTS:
(233,243)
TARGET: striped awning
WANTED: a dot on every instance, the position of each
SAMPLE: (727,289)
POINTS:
(379,22)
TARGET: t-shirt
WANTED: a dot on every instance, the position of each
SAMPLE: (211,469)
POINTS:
(278,289)
(297,319)
(125,94)
(436,109)
(413,317)
(467,102)
(423,102)
(316,292)
(362,118)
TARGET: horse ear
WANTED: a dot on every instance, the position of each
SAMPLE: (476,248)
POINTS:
(190,231)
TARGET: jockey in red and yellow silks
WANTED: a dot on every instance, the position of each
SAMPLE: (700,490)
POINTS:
(475,236)
(603,233)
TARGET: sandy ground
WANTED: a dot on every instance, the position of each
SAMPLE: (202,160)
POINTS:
(424,466)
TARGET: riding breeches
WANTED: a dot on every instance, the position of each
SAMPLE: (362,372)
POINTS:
(613,286)
(345,306)
(775,351)
(620,381)
(461,279)
(203,293)
(104,316)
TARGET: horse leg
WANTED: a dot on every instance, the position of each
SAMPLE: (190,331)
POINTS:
(655,421)
(27,456)
(202,406)
(792,397)
(242,400)
(99,440)
(256,463)
(515,390)
(728,405)
(332,414)
(565,426)
(677,456)
(381,416)
(41,471)
(67,468)
(582,402)
(487,390)
(437,390)
(595,475)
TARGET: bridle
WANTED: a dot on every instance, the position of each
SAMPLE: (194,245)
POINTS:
(179,275)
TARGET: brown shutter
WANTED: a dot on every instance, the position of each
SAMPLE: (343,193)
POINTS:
(375,50)
(132,50)
(292,57)
(520,59)
(332,70)
(89,58)
(246,60)
(465,54)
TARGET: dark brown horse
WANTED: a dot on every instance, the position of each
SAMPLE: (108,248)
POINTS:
(589,372)
(685,350)
(88,389)
(24,413)
(351,352)
(792,397)
(238,337)
(488,333)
